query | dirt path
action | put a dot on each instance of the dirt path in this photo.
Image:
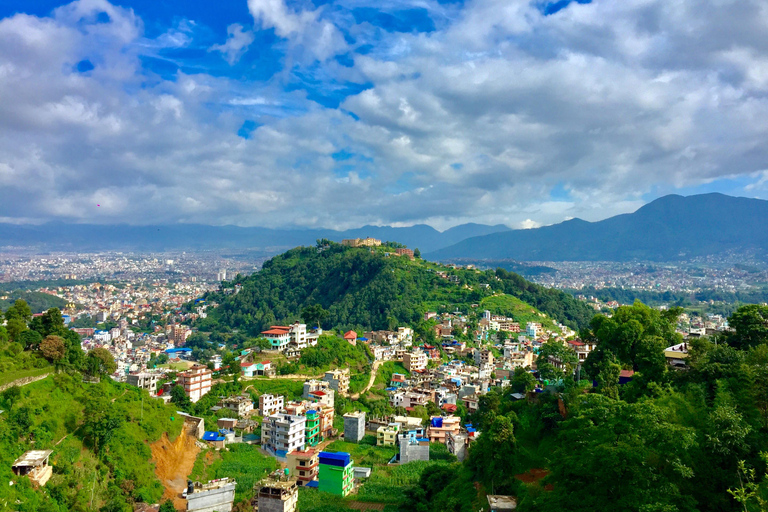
(374, 371)
(173, 464)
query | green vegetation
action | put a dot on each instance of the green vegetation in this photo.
(243, 462)
(669, 440)
(103, 432)
(363, 289)
(37, 301)
(513, 307)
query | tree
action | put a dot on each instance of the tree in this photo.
(53, 348)
(179, 396)
(522, 381)
(167, 506)
(416, 253)
(101, 419)
(750, 326)
(100, 362)
(30, 339)
(50, 322)
(314, 315)
(555, 351)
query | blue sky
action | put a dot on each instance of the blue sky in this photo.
(344, 113)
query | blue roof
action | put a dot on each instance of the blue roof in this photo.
(470, 429)
(212, 436)
(313, 483)
(176, 350)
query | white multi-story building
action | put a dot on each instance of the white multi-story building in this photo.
(240, 405)
(196, 381)
(415, 361)
(533, 329)
(270, 404)
(283, 433)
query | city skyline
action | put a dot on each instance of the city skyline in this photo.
(347, 113)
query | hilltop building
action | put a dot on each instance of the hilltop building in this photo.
(361, 242)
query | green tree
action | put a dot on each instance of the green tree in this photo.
(750, 326)
(416, 253)
(101, 419)
(557, 351)
(522, 381)
(167, 506)
(179, 397)
(491, 456)
(313, 315)
(30, 339)
(100, 362)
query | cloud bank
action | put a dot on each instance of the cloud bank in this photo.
(486, 111)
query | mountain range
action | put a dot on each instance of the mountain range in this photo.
(670, 228)
(90, 237)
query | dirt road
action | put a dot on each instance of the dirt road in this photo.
(374, 370)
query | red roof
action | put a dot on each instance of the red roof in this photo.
(578, 343)
(350, 335)
(318, 393)
(266, 362)
(627, 373)
(246, 365)
(274, 331)
(280, 327)
(449, 407)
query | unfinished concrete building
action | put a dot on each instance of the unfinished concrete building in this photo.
(34, 464)
(278, 495)
(354, 426)
(214, 496)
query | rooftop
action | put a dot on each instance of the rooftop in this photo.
(33, 458)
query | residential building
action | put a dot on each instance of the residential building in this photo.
(414, 445)
(283, 433)
(354, 426)
(409, 399)
(335, 473)
(144, 380)
(215, 495)
(440, 426)
(270, 404)
(312, 428)
(387, 435)
(457, 444)
(240, 405)
(339, 380)
(499, 503)
(34, 464)
(278, 336)
(677, 355)
(248, 369)
(278, 495)
(312, 386)
(483, 357)
(179, 334)
(351, 337)
(196, 381)
(415, 360)
(303, 465)
(533, 330)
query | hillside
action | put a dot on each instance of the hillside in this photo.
(38, 302)
(87, 237)
(367, 290)
(669, 228)
(100, 435)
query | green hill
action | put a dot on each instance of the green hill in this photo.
(369, 289)
(100, 436)
(38, 301)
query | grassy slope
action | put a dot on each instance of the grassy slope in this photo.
(56, 407)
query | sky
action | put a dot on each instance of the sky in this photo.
(338, 114)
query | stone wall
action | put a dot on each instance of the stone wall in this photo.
(24, 381)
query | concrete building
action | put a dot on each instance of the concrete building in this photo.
(278, 495)
(240, 405)
(440, 427)
(415, 361)
(319, 391)
(179, 334)
(499, 503)
(387, 435)
(335, 473)
(413, 446)
(144, 380)
(282, 433)
(361, 242)
(34, 464)
(303, 465)
(270, 404)
(339, 380)
(312, 428)
(483, 357)
(457, 444)
(214, 496)
(354, 426)
(196, 382)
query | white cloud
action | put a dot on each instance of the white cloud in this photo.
(238, 41)
(478, 121)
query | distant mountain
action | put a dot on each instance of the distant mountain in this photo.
(670, 228)
(89, 237)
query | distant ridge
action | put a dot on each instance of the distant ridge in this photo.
(123, 237)
(670, 228)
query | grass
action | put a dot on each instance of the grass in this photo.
(513, 307)
(290, 388)
(366, 455)
(7, 377)
(243, 462)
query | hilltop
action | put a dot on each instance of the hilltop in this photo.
(362, 288)
(670, 228)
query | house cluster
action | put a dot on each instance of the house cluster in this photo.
(291, 339)
(290, 426)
